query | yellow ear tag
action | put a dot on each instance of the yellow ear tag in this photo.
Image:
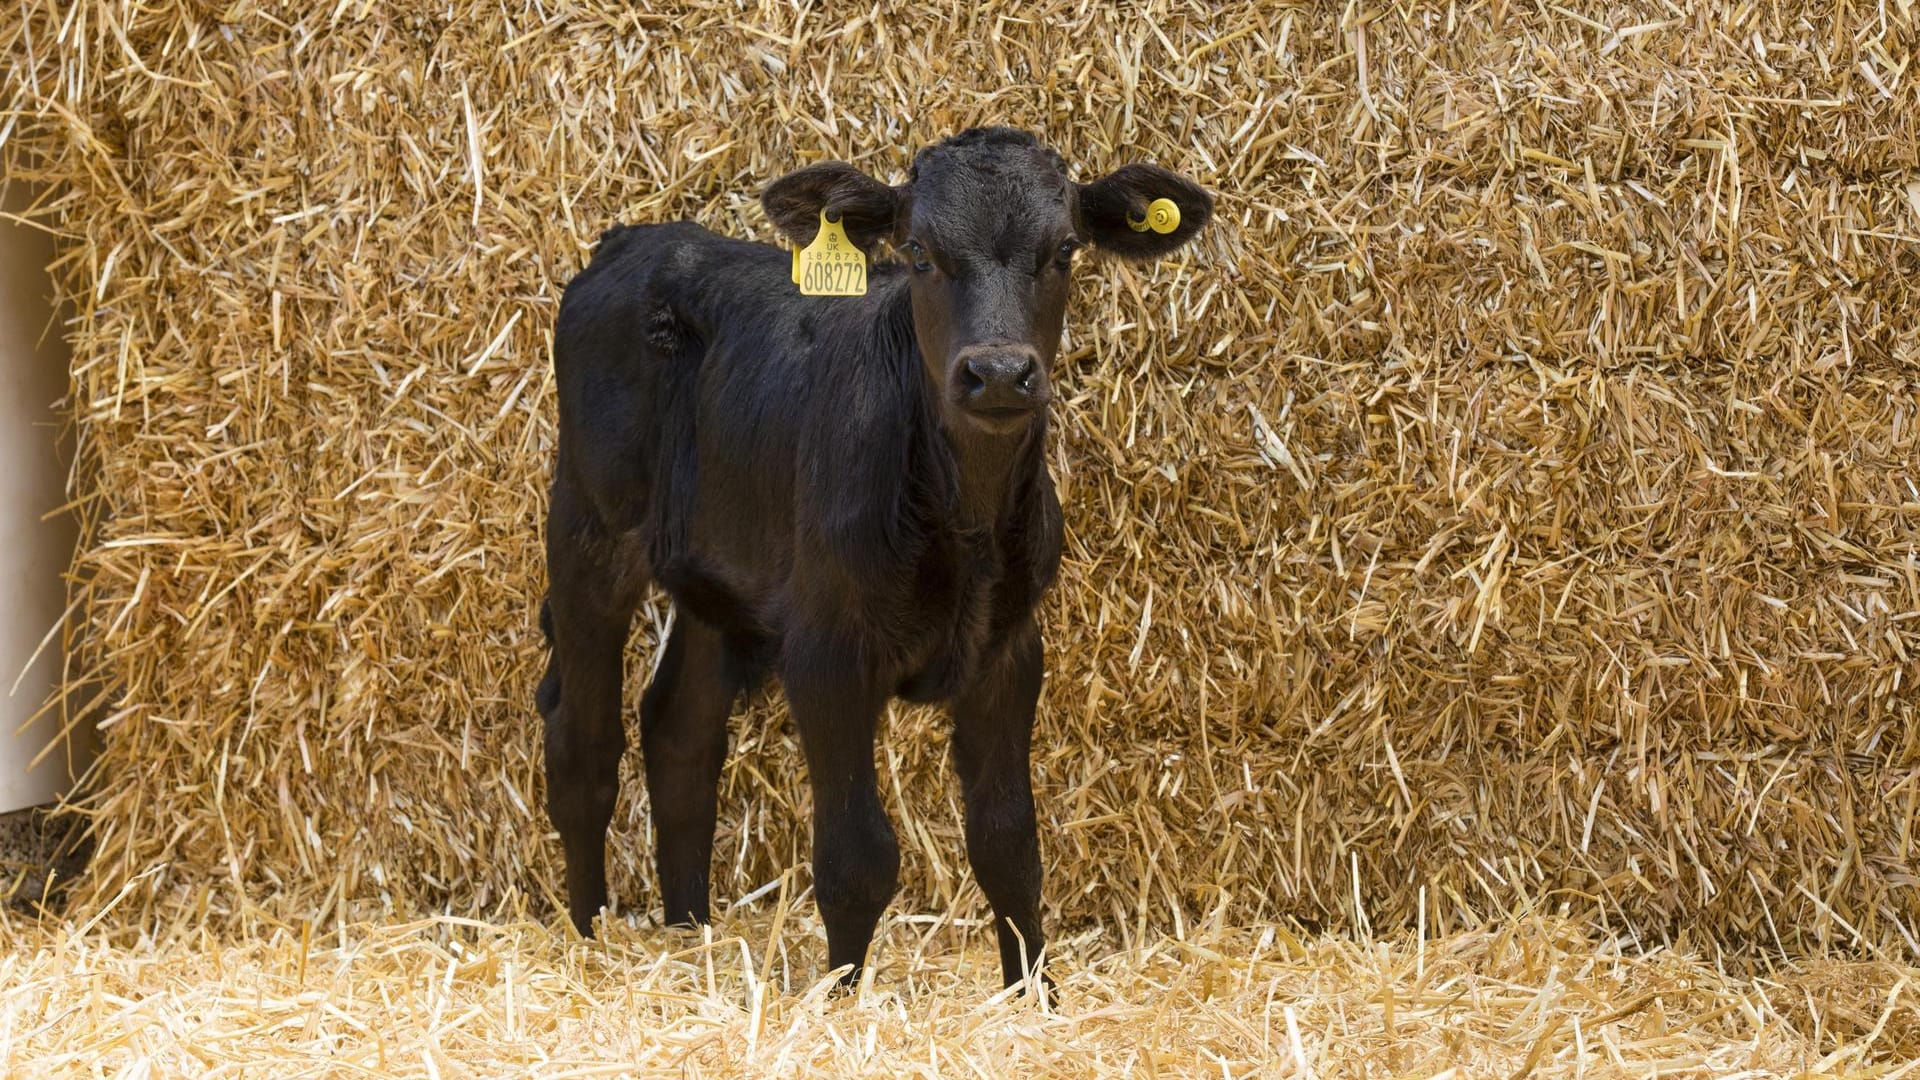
(831, 265)
(1163, 216)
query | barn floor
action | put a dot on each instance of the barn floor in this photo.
(448, 997)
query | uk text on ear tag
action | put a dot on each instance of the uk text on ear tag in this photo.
(831, 265)
(1163, 216)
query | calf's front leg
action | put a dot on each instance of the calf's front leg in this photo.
(856, 860)
(992, 740)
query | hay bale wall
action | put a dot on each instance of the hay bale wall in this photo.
(1514, 501)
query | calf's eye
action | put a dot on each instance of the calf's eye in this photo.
(1065, 256)
(918, 255)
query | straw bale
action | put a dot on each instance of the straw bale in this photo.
(444, 996)
(1512, 506)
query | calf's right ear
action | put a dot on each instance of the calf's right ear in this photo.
(864, 206)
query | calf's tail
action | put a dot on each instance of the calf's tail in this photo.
(615, 238)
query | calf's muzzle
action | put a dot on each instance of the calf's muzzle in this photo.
(1000, 382)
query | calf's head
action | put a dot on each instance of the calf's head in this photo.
(988, 223)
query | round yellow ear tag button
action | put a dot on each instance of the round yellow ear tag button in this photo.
(1163, 216)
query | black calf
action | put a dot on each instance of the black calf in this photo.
(849, 492)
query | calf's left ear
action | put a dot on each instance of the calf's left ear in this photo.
(1117, 211)
(864, 206)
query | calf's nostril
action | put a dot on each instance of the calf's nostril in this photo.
(1025, 379)
(972, 379)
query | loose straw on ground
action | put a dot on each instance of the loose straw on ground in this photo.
(448, 996)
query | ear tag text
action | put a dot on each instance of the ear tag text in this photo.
(831, 265)
(1163, 216)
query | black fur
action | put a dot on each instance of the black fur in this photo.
(804, 477)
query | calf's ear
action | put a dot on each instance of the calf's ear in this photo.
(865, 206)
(1116, 211)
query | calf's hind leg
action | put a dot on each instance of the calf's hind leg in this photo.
(683, 739)
(587, 615)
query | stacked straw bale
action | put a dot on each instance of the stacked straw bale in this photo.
(1514, 504)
